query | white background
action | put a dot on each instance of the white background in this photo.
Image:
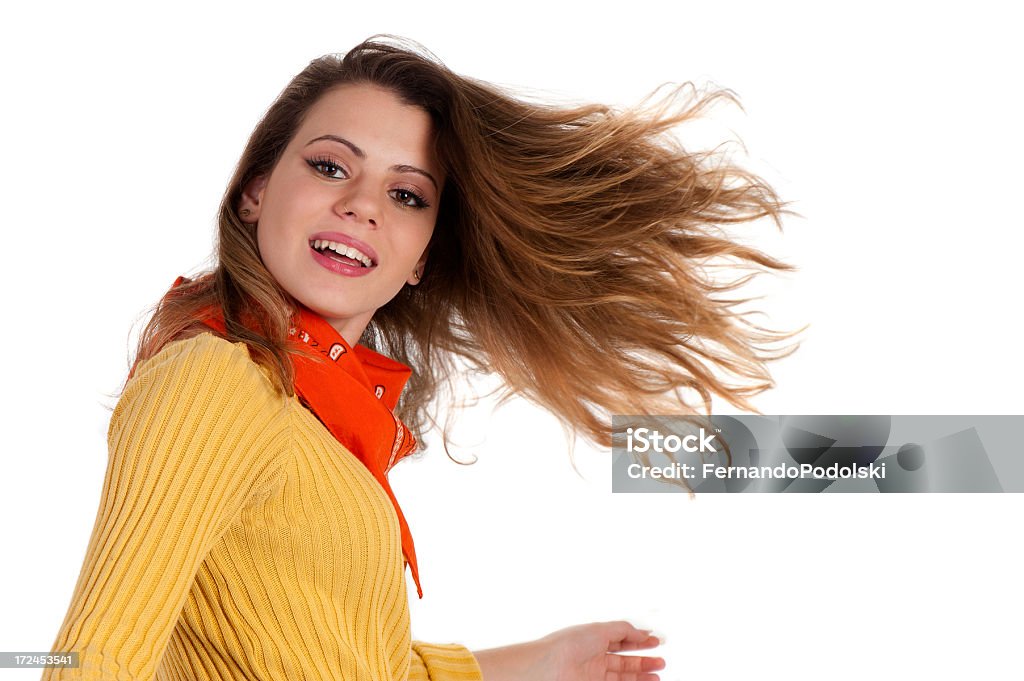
(895, 131)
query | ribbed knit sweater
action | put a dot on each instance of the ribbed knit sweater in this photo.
(236, 538)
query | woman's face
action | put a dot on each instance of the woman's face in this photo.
(345, 216)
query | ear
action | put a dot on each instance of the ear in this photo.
(252, 198)
(421, 264)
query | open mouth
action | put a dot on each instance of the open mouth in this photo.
(342, 253)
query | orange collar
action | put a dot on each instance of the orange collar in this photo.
(353, 393)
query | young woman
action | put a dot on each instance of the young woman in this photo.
(386, 214)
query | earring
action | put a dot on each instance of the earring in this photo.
(416, 273)
(245, 212)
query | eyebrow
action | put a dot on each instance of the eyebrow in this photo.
(403, 168)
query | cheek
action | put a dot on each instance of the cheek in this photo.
(269, 242)
(261, 244)
(409, 239)
(425, 238)
(260, 239)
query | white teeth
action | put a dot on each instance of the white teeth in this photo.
(342, 249)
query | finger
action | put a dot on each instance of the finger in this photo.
(613, 676)
(624, 632)
(651, 641)
(633, 664)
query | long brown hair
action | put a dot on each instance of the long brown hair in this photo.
(571, 254)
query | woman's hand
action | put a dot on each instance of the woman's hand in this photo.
(587, 652)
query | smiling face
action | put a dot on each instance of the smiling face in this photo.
(344, 218)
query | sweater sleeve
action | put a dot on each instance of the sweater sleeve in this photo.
(197, 435)
(443, 662)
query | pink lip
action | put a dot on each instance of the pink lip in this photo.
(340, 267)
(348, 241)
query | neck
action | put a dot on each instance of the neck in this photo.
(351, 328)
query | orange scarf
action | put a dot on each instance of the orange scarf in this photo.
(353, 394)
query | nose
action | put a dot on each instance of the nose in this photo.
(357, 202)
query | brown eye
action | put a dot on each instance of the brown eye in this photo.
(409, 198)
(328, 168)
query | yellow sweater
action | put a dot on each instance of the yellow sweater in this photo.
(237, 539)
